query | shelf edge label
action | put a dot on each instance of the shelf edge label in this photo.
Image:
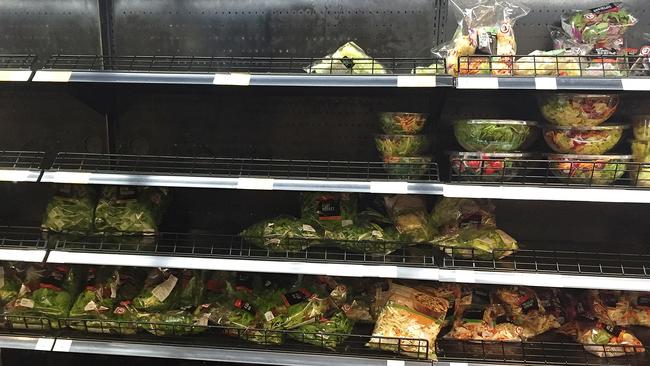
(414, 81)
(15, 75)
(67, 177)
(53, 76)
(233, 78)
(545, 83)
(44, 344)
(264, 184)
(477, 82)
(389, 187)
(62, 345)
(635, 84)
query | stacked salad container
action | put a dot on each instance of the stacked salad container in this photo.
(577, 133)
(641, 150)
(493, 148)
(403, 146)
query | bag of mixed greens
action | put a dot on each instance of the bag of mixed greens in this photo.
(9, 283)
(71, 209)
(329, 210)
(130, 209)
(452, 214)
(601, 27)
(366, 238)
(640, 308)
(328, 330)
(281, 234)
(611, 307)
(47, 291)
(410, 217)
(477, 244)
(412, 315)
(171, 323)
(448, 291)
(485, 27)
(348, 59)
(524, 308)
(607, 340)
(160, 292)
(191, 287)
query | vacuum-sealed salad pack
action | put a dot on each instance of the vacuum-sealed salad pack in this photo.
(485, 32)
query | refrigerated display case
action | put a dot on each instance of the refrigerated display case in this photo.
(236, 107)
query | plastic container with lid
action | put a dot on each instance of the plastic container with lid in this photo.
(489, 166)
(495, 135)
(405, 123)
(407, 167)
(589, 169)
(401, 145)
(640, 173)
(596, 140)
(577, 110)
(641, 127)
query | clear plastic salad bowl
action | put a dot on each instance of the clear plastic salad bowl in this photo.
(596, 140)
(577, 110)
(495, 135)
(589, 169)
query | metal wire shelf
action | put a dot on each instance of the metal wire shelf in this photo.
(596, 66)
(243, 167)
(17, 62)
(21, 237)
(281, 65)
(407, 254)
(21, 160)
(542, 352)
(565, 173)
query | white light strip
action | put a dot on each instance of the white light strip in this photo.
(22, 75)
(548, 193)
(331, 269)
(22, 255)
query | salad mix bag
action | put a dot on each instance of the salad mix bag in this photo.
(410, 217)
(347, 59)
(329, 210)
(485, 28)
(602, 27)
(71, 210)
(130, 209)
(280, 234)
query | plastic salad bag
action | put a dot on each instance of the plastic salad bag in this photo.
(9, 283)
(171, 323)
(485, 27)
(602, 27)
(71, 210)
(329, 210)
(409, 214)
(160, 292)
(347, 59)
(130, 210)
(611, 307)
(281, 234)
(524, 308)
(366, 238)
(412, 314)
(607, 340)
(452, 214)
(641, 308)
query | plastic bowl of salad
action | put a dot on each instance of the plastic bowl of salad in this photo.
(488, 166)
(407, 167)
(495, 135)
(589, 169)
(640, 173)
(577, 110)
(401, 145)
(596, 140)
(641, 127)
(405, 123)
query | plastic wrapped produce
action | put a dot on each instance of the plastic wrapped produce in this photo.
(410, 217)
(589, 169)
(347, 59)
(595, 140)
(607, 341)
(477, 244)
(130, 210)
(641, 308)
(451, 214)
(329, 210)
(560, 62)
(485, 27)
(171, 323)
(603, 26)
(71, 210)
(160, 293)
(10, 283)
(525, 308)
(495, 135)
(365, 238)
(406, 123)
(413, 314)
(611, 307)
(576, 110)
(281, 234)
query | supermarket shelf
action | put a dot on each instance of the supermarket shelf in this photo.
(526, 267)
(262, 357)
(553, 83)
(16, 67)
(20, 166)
(237, 71)
(27, 342)
(23, 244)
(236, 173)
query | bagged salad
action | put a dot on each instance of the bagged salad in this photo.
(641, 308)
(281, 234)
(347, 59)
(71, 210)
(611, 307)
(131, 210)
(47, 291)
(607, 340)
(366, 238)
(414, 317)
(601, 27)
(171, 323)
(103, 306)
(166, 289)
(329, 210)
(524, 308)
(409, 214)
(10, 283)
(485, 28)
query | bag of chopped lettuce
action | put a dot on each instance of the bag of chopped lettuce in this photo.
(104, 304)
(281, 234)
(347, 59)
(477, 244)
(328, 330)
(71, 210)
(409, 214)
(329, 210)
(365, 238)
(525, 308)
(9, 283)
(130, 210)
(160, 292)
(451, 214)
(172, 323)
(47, 291)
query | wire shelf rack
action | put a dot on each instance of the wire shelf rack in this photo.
(574, 172)
(281, 65)
(17, 62)
(21, 237)
(595, 66)
(243, 167)
(21, 160)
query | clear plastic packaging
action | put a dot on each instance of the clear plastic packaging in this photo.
(494, 135)
(488, 166)
(407, 167)
(596, 140)
(576, 110)
(405, 123)
(485, 27)
(641, 127)
(347, 59)
(588, 169)
(602, 27)
(401, 145)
